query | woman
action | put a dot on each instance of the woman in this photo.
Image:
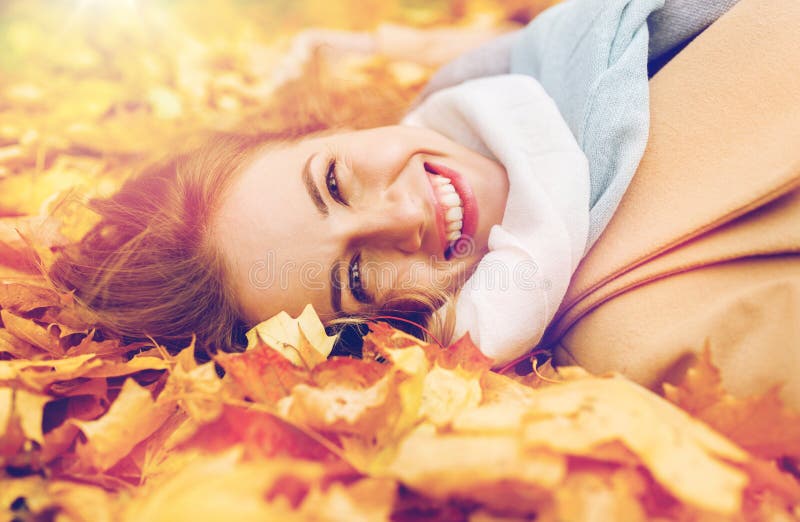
(206, 241)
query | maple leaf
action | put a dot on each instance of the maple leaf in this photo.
(303, 340)
(461, 353)
(496, 469)
(761, 425)
(431, 430)
(113, 436)
(263, 374)
(261, 434)
(357, 372)
(32, 333)
(688, 459)
(26, 297)
(382, 338)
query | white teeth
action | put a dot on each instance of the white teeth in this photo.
(454, 213)
(446, 189)
(450, 199)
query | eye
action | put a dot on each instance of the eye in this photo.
(332, 182)
(354, 275)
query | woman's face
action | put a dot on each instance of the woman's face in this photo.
(341, 220)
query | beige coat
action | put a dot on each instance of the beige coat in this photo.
(705, 246)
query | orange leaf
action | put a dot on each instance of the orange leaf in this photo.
(462, 353)
(263, 374)
(355, 372)
(262, 434)
(24, 298)
(382, 338)
(761, 425)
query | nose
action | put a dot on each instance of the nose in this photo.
(396, 221)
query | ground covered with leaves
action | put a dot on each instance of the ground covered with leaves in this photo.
(96, 429)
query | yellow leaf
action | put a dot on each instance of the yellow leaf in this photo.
(30, 408)
(6, 408)
(342, 408)
(461, 465)
(81, 502)
(446, 393)
(685, 457)
(110, 368)
(220, 487)
(38, 375)
(199, 390)
(133, 416)
(31, 332)
(302, 340)
(598, 496)
(368, 500)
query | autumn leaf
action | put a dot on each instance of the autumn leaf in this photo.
(263, 374)
(461, 353)
(98, 428)
(111, 437)
(261, 435)
(686, 457)
(763, 425)
(303, 340)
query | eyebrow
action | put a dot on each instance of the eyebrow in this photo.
(322, 207)
(312, 189)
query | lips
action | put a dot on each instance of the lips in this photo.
(468, 204)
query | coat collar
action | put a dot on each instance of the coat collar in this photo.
(723, 140)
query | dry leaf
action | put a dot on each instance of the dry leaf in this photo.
(111, 437)
(762, 425)
(414, 431)
(303, 340)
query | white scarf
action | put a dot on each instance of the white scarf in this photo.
(517, 287)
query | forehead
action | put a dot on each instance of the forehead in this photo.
(272, 237)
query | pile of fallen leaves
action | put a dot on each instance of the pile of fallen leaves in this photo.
(96, 429)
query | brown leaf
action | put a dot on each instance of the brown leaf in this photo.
(11, 435)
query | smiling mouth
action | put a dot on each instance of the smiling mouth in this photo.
(450, 201)
(457, 208)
